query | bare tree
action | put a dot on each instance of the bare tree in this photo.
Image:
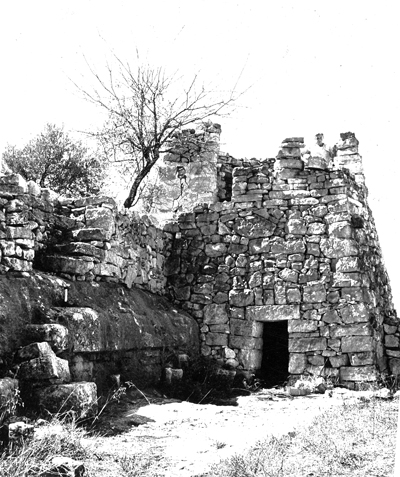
(146, 110)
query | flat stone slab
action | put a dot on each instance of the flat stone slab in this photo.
(273, 312)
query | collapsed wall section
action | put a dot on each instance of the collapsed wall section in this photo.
(297, 243)
(83, 239)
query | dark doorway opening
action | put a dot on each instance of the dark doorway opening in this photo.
(275, 361)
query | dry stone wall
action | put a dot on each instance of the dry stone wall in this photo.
(285, 239)
(80, 239)
(297, 242)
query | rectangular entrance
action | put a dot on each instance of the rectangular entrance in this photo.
(275, 360)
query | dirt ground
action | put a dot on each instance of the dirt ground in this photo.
(185, 439)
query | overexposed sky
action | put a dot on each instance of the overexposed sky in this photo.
(312, 66)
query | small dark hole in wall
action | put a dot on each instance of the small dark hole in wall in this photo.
(275, 361)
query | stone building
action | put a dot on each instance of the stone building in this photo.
(277, 260)
(284, 272)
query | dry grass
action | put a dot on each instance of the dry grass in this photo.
(351, 440)
(348, 440)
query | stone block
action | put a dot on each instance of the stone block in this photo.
(293, 295)
(273, 312)
(106, 270)
(340, 230)
(217, 339)
(250, 358)
(215, 249)
(358, 373)
(331, 316)
(78, 397)
(47, 367)
(391, 341)
(316, 360)
(314, 293)
(348, 264)
(215, 314)
(69, 265)
(357, 344)
(17, 264)
(357, 313)
(296, 226)
(34, 350)
(361, 359)
(335, 247)
(83, 325)
(260, 245)
(245, 342)
(246, 328)
(361, 329)
(304, 345)
(81, 248)
(339, 360)
(297, 363)
(55, 334)
(100, 217)
(302, 326)
(340, 280)
(90, 233)
(241, 297)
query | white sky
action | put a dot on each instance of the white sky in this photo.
(313, 66)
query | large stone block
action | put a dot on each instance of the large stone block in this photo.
(348, 264)
(78, 397)
(83, 325)
(250, 358)
(215, 314)
(314, 293)
(303, 345)
(47, 367)
(334, 247)
(241, 297)
(90, 233)
(297, 363)
(302, 326)
(217, 339)
(358, 373)
(273, 312)
(357, 344)
(70, 265)
(100, 217)
(361, 359)
(339, 361)
(361, 329)
(356, 313)
(246, 328)
(245, 342)
(54, 334)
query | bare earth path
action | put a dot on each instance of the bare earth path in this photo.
(185, 439)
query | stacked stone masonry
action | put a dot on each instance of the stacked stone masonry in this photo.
(80, 239)
(290, 238)
(297, 242)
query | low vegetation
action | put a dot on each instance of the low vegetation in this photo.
(350, 440)
(353, 439)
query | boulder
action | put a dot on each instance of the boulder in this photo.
(80, 398)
